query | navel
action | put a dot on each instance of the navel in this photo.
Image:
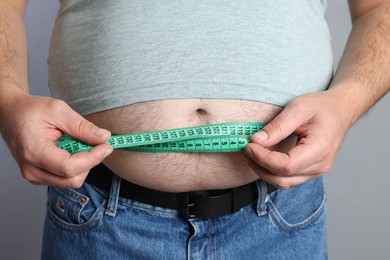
(201, 112)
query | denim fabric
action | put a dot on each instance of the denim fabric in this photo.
(88, 223)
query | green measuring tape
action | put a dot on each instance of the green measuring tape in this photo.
(225, 137)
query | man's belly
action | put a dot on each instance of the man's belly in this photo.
(178, 172)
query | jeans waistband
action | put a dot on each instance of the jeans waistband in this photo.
(206, 203)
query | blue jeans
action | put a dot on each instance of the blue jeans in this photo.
(88, 223)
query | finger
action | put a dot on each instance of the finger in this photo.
(77, 126)
(320, 167)
(260, 169)
(61, 163)
(42, 177)
(283, 125)
(281, 182)
(295, 161)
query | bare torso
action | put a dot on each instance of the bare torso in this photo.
(177, 172)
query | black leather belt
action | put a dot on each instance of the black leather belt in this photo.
(197, 204)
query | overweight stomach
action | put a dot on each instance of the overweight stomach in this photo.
(183, 171)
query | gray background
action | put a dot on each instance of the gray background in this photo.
(357, 203)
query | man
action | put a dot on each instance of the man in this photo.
(237, 62)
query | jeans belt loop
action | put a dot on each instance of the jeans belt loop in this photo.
(188, 206)
(114, 196)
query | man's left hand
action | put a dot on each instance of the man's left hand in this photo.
(320, 121)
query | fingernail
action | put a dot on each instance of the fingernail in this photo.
(99, 132)
(261, 136)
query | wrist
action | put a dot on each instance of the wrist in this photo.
(350, 99)
(9, 97)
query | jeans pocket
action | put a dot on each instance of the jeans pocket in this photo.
(75, 209)
(298, 207)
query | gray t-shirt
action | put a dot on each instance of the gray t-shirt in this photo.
(106, 54)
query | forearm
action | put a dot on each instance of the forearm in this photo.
(13, 50)
(363, 77)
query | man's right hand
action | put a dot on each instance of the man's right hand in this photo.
(30, 125)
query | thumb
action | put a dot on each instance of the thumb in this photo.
(282, 126)
(76, 126)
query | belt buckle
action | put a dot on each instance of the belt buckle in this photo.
(200, 204)
(207, 204)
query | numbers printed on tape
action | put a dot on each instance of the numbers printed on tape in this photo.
(225, 137)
